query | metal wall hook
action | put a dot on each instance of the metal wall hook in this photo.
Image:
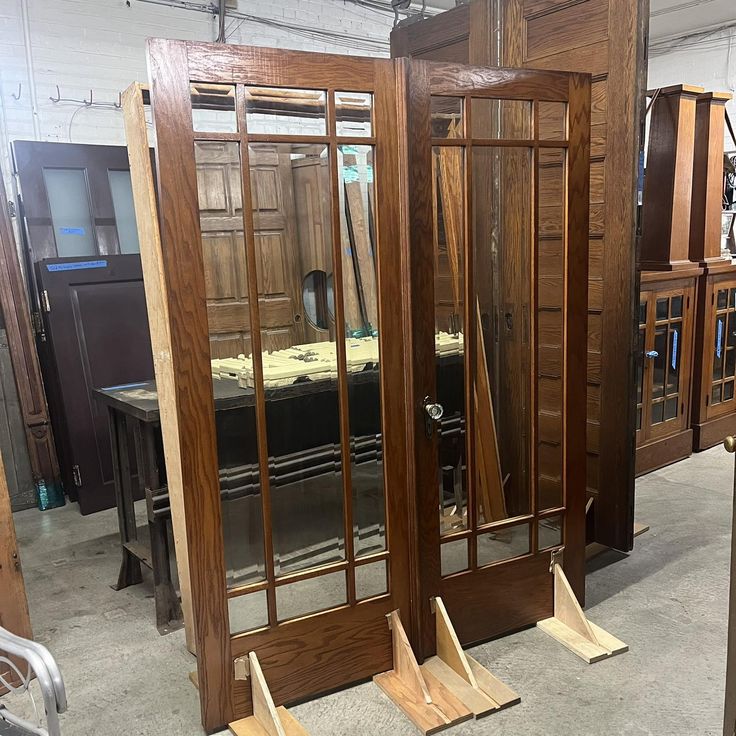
(20, 89)
(117, 105)
(58, 95)
(90, 101)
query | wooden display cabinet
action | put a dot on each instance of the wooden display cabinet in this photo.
(713, 404)
(664, 368)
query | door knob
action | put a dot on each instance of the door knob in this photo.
(432, 414)
(651, 354)
(730, 443)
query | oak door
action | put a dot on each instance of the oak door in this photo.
(278, 193)
(498, 189)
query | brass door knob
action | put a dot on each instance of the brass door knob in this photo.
(730, 443)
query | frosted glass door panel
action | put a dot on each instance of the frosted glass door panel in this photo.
(122, 202)
(70, 213)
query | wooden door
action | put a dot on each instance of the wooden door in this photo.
(96, 335)
(719, 347)
(302, 559)
(667, 362)
(497, 175)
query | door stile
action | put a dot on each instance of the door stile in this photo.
(534, 341)
(257, 350)
(190, 357)
(575, 331)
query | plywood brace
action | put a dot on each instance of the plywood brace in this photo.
(267, 719)
(477, 689)
(426, 700)
(570, 625)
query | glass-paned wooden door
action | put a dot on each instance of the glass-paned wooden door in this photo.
(642, 386)
(278, 175)
(498, 188)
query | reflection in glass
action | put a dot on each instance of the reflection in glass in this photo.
(728, 391)
(122, 203)
(722, 299)
(446, 116)
(663, 307)
(658, 412)
(248, 612)
(660, 361)
(676, 306)
(316, 300)
(716, 394)
(502, 238)
(371, 580)
(70, 216)
(353, 113)
(311, 595)
(213, 108)
(454, 556)
(281, 111)
(360, 306)
(503, 544)
(670, 408)
(552, 120)
(718, 349)
(493, 118)
(549, 531)
(226, 283)
(673, 357)
(449, 201)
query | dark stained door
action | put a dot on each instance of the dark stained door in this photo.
(94, 313)
(76, 205)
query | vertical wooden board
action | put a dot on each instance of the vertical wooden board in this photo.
(146, 212)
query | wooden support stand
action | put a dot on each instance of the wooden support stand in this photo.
(570, 626)
(267, 719)
(449, 688)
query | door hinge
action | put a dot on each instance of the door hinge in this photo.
(11, 208)
(77, 473)
(45, 303)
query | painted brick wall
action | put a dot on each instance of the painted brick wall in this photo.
(709, 63)
(100, 45)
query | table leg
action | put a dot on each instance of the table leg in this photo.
(130, 566)
(169, 616)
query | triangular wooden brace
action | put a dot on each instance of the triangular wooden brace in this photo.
(267, 719)
(571, 627)
(428, 703)
(480, 691)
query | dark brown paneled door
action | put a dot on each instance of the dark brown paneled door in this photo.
(96, 332)
(498, 193)
(278, 188)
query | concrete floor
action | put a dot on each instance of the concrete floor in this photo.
(667, 600)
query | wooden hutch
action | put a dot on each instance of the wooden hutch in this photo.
(669, 282)
(714, 368)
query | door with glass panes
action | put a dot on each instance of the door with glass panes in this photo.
(664, 376)
(498, 189)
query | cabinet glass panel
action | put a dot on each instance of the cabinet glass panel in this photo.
(659, 362)
(70, 212)
(724, 346)
(449, 304)
(663, 308)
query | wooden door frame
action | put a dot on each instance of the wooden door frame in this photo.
(423, 79)
(173, 272)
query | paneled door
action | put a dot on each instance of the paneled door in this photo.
(497, 175)
(280, 250)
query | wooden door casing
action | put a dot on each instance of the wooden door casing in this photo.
(487, 600)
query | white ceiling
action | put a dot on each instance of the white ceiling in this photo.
(671, 18)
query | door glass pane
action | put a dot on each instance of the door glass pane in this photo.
(502, 217)
(493, 118)
(311, 595)
(552, 120)
(278, 111)
(447, 117)
(676, 306)
(640, 367)
(670, 408)
(718, 349)
(122, 202)
(728, 391)
(503, 544)
(730, 362)
(291, 201)
(360, 305)
(673, 357)
(731, 330)
(643, 313)
(722, 299)
(70, 211)
(663, 308)
(549, 532)
(248, 612)
(659, 362)
(226, 285)
(449, 305)
(213, 108)
(371, 580)
(716, 394)
(454, 556)
(550, 328)
(353, 113)
(657, 412)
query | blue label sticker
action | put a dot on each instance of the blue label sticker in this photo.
(675, 335)
(76, 265)
(719, 338)
(71, 230)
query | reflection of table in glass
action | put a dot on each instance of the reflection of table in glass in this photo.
(301, 467)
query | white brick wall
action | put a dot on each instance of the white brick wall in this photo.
(100, 45)
(707, 63)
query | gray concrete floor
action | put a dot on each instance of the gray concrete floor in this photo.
(667, 600)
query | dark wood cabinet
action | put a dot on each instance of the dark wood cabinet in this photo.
(664, 368)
